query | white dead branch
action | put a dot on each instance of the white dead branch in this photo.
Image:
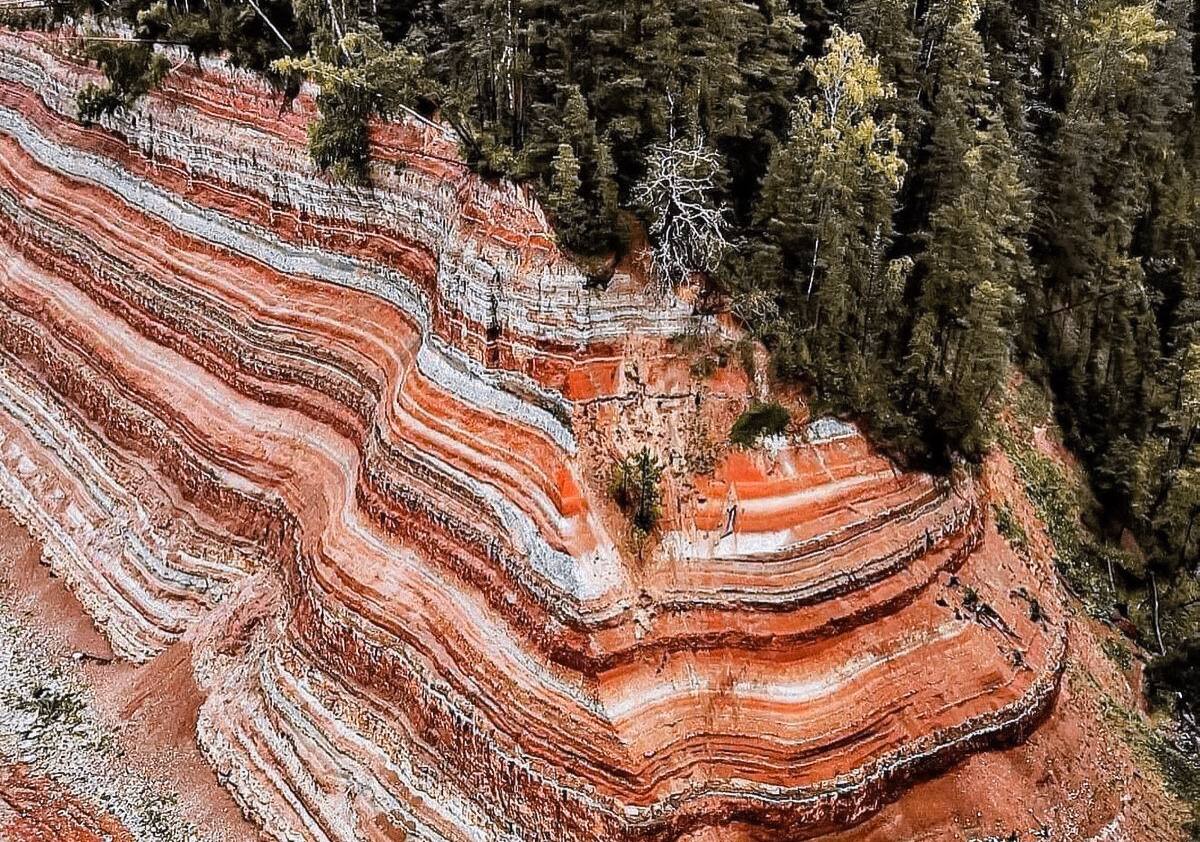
(687, 230)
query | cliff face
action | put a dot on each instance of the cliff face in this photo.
(351, 445)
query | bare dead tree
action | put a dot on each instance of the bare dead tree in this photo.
(687, 228)
(267, 20)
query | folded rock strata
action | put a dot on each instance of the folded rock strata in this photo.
(351, 442)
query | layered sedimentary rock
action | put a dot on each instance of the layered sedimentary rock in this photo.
(352, 443)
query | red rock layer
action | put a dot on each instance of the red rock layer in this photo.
(413, 608)
(36, 809)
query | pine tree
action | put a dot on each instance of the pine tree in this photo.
(977, 253)
(886, 30)
(360, 77)
(1103, 335)
(565, 200)
(487, 60)
(608, 192)
(827, 205)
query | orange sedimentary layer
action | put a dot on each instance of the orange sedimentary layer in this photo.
(461, 648)
(42, 811)
(378, 236)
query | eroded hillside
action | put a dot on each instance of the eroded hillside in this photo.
(337, 459)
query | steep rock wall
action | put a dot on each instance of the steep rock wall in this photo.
(352, 443)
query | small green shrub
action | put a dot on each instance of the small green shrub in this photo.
(635, 485)
(762, 419)
(1009, 527)
(95, 101)
(53, 706)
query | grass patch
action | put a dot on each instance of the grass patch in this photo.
(1118, 653)
(52, 706)
(1010, 528)
(1080, 557)
(1180, 769)
(1171, 753)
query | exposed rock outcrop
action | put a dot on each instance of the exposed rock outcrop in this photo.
(352, 444)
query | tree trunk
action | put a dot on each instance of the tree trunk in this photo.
(1162, 650)
(267, 20)
(812, 275)
(1187, 535)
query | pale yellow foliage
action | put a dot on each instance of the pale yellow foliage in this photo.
(1189, 398)
(1115, 48)
(841, 118)
(848, 77)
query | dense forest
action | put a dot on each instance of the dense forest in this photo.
(904, 199)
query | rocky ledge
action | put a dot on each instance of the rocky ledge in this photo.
(352, 444)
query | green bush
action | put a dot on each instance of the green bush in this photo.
(337, 139)
(95, 101)
(1009, 527)
(635, 486)
(132, 70)
(761, 419)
